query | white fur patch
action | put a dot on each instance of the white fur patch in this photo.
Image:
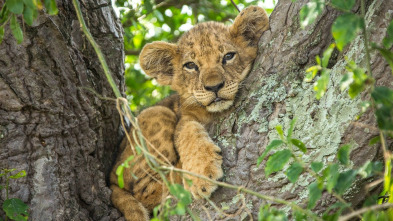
(219, 106)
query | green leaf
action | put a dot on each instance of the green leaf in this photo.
(314, 194)
(338, 208)
(16, 30)
(344, 5)
(299, 144)
(15, 209)
(51, 6)
(383, 98)
(356, 88)
(388, 40)
(120, 178)
(20, 174)
(15, 6)
(1, 34)
(4, 14)
(159, 16)
(277, 161)
(321, 85)
(120, 171)
(294, 172)
(374, 140)
(370, 169)
(388, 55)
(280, 132)
(318, 60)
(291, 127)
(180, 209)
(383, 95)
(181, 194)
(267, 213)
(343, 154)
(148, 6)
(126, 163)
(345, 29)
(29, 14)
(310, 12)
(345, 181)
(316, 166)
(356, 79)
(273, 144)
(327, 54)
(364, 106)
(312, 72)
(331, 174)
(299, 216)
(30, 3)
(346, 81)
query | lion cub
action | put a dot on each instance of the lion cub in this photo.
(205, 68)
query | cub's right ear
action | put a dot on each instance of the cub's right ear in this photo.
(250, 24)
(157, 59)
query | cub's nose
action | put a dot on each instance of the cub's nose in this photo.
(215, 88)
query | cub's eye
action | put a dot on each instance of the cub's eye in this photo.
(228, 57)
(191, 65)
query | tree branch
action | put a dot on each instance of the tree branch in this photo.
(364, 210)
(132, 52)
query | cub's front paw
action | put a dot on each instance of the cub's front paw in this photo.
(208, 165)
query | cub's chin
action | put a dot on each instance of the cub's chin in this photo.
(219, 106)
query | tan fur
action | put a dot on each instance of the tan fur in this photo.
(176, 126)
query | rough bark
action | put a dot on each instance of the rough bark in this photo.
(63, 135)
(275, 93)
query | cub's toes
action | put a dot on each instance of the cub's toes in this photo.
(204, 189)
(214, 171)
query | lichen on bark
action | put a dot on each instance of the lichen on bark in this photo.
(275, 93)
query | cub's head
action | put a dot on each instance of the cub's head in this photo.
(209, 62)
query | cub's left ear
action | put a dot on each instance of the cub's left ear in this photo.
(158, 59)
(250, 24)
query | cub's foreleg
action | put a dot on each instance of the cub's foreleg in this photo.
(198, 154)
(144, 189)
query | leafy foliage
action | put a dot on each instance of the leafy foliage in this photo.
(343, 154)
(277, 161)
(267, 213)
(294, 172)
(26, 9)
(383, 98)
(183, 199)
(272, 145)
(355, 79)
(120, 170)
(14, 208)
(315, 193)
(310, 12)
(344, 5)
(345, 29)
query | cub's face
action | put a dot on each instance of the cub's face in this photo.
(210, 61)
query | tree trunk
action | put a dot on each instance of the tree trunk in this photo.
(51, 125)
(275, 93)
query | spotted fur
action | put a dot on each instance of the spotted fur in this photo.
(205, 68)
